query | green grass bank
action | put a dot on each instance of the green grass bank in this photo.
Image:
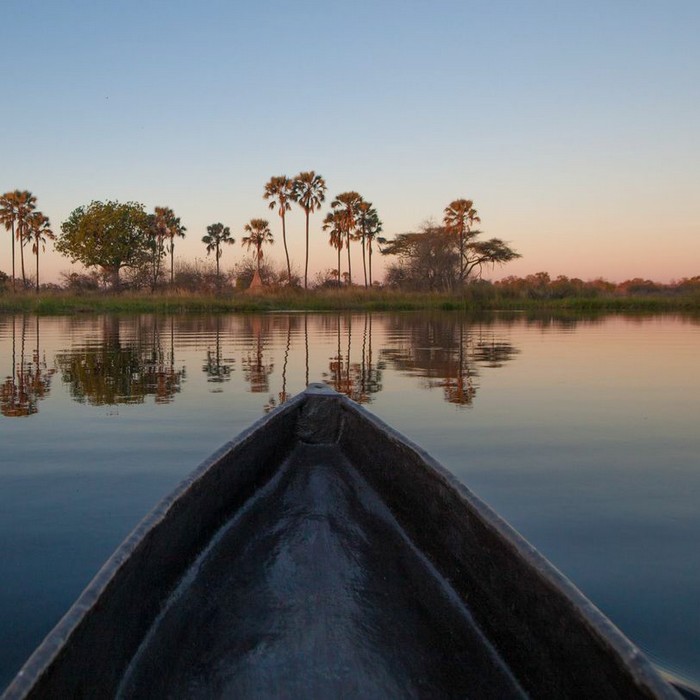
(59, 303)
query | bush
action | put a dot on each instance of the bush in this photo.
(200, 276)
(82, 281)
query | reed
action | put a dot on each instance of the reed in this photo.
(360, 299)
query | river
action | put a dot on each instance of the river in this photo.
(583, 433)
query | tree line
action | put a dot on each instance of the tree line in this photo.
(111, 236)
(542, 286)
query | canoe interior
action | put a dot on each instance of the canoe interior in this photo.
(321, 554)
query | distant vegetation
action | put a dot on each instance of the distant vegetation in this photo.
(197, 289)
(124, 247)
(126, 251)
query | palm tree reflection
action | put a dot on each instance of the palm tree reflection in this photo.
(358, 380)
(29, 381)
(283, 396)
(217, 368)
(256, 369)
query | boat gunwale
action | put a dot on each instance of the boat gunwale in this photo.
(60, 635)
(598, 624)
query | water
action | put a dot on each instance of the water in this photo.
(582, 433)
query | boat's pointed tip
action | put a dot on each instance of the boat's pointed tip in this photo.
(320, 388)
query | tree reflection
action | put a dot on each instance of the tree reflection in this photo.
(29, 381)
(113, 372)
(217, 368)
(448, 353)
(256, 369)
(358, 380)
(283, 396)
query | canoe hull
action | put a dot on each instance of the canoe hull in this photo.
(319, 553)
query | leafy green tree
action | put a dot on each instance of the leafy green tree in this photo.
(459, 218)
(108, 235)
(217, 235)
(39, 231)
(280, 190)
(259, 233)
(309, 191)
(348, 203)
(369, 227)
(334, 223)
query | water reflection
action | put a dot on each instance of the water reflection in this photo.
(256, 367)
(358, 380)
(283, 395)
(112, 371)
(29, 380)
(583, 434)
(446, 351)
(113, 359)
(217, 368)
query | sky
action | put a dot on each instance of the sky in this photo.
(573, 126)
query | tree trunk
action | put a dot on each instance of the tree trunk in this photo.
(156, 269)
(21, 251)
(306, 264)
(349, 264)
(364, 261)
(13, 256)
(172, 257)
(286, 252)
(370, 262)
(37, 267)
(113, 274)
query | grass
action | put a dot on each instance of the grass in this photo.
(359, 299)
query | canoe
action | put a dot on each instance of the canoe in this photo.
(322, 554)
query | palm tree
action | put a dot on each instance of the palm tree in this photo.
(460, 215)
(369, 226)
(281, 190)
(168, 226)
(217, 235)
(309, 191)
(335, 223)
(25, 203)
(8, 217)
(39, 231)
(258, 234)
(349, 203)
(156, 245)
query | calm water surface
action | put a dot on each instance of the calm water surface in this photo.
(583, 434)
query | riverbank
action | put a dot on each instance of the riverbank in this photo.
(55, 303)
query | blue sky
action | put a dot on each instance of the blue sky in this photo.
(574, 126)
